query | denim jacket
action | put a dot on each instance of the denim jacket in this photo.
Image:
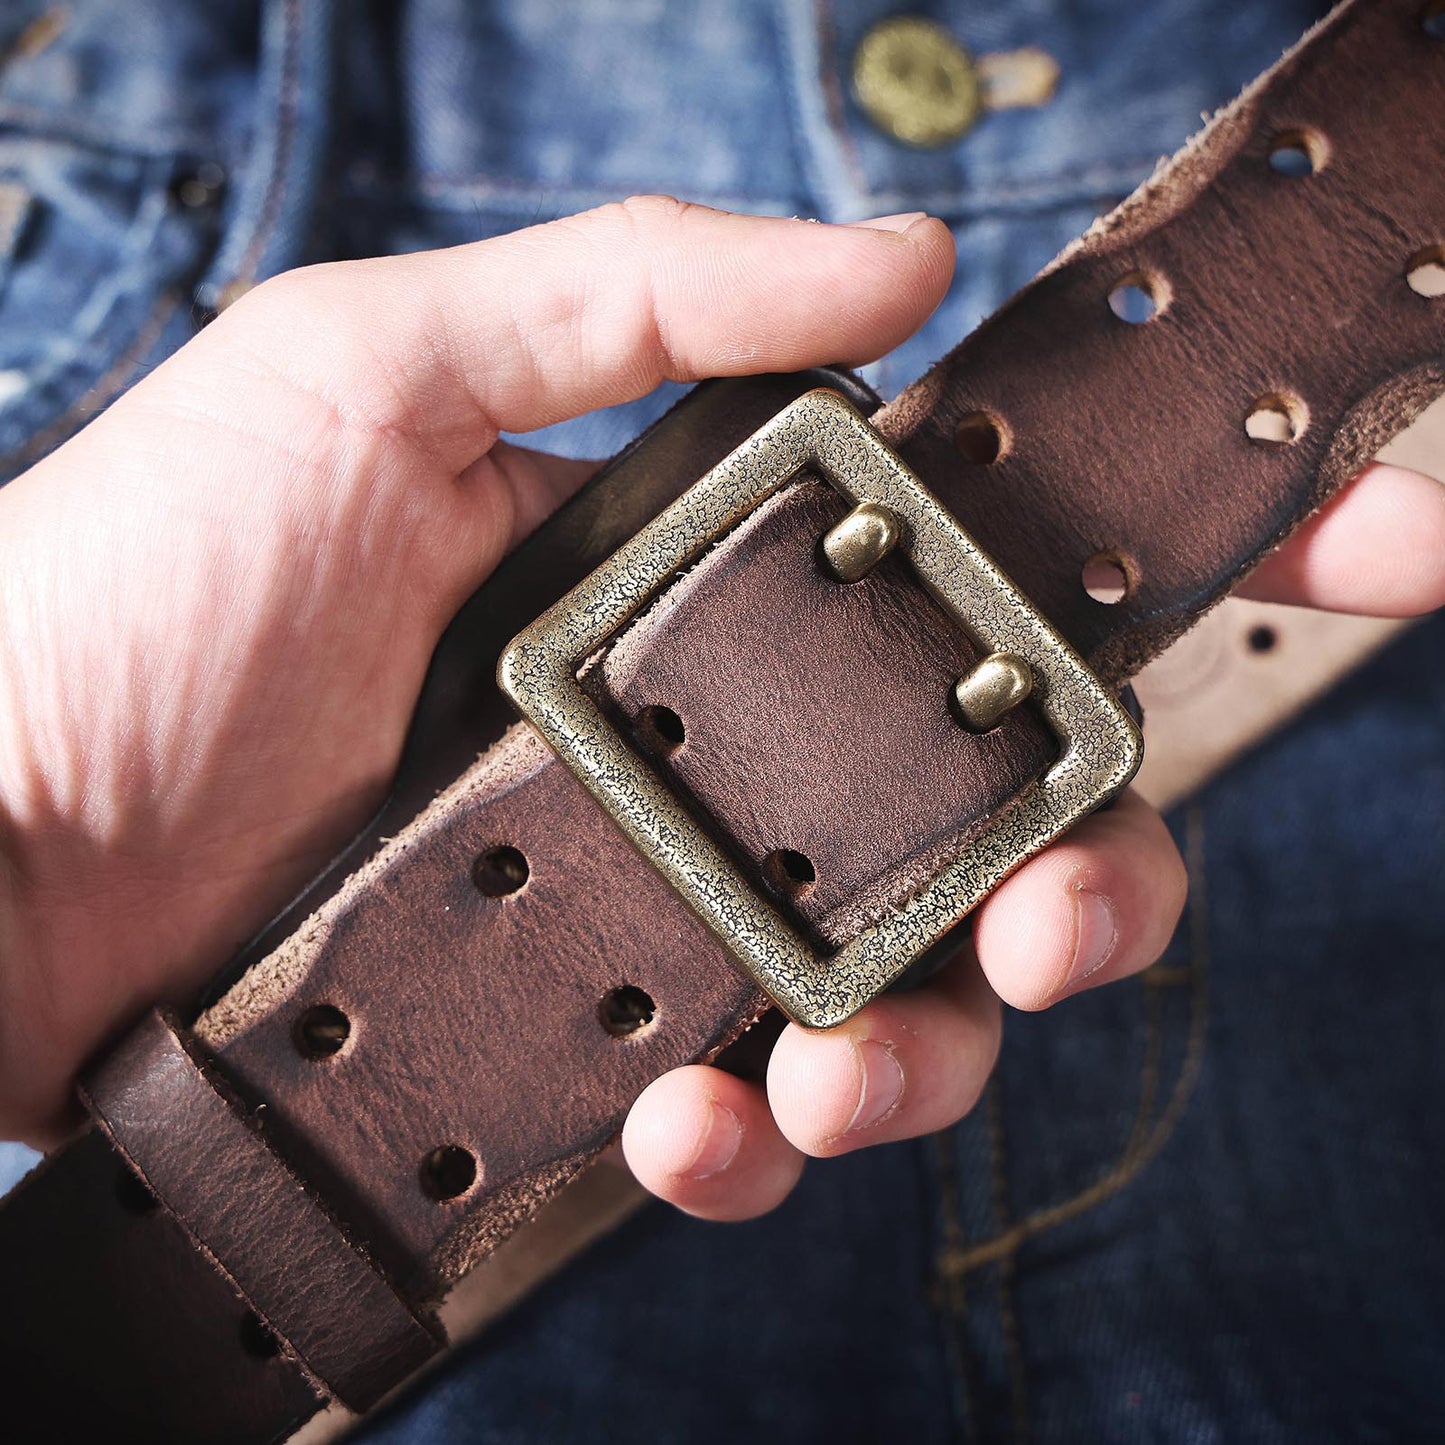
(162, 155)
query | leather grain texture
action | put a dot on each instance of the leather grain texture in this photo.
(477, 1021)
(204, 1155)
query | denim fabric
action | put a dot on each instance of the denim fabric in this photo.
(1204, 1205)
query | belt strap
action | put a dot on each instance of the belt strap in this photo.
(204, 1154)
(463, 1022)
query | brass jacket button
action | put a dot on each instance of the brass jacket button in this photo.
(916, 82)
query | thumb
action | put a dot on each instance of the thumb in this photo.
(369, 380)
(218, 600)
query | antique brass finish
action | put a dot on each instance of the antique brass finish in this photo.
(917, 83)
(1100, 748)
(860, 541)
(997, 684)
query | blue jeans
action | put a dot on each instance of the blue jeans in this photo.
(1207, 1204)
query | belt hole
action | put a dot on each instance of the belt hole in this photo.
(448, 1172)
(790, 873)
(321, 1032)
(1426, 269)
(256, 1339)
(131, 1191)
(663, 728)
(1432, 22)
(626, 1011)
(1295, 154)
(1138, 297)
(981, 438)
(1276, 420)
(1108, 577)
(501, 871)
(1262, 638)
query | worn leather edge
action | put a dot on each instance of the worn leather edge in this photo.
(205, 1157)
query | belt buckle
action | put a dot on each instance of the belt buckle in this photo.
(1100, 746)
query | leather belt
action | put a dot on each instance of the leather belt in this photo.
(454, 1020)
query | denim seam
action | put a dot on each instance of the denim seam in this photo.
(128, 355)
(115, 379)
(1129, 1166)
(281, 156)
(835, 102)
(952, 1286)
(444, 191)
(101, 392)
(797, 123)
(1007, 1265)
(1049, 193)
(92, 322)
(1149, 1071)
(42, 125)
(829, 170)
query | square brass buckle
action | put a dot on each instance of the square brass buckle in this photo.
(1100, 747)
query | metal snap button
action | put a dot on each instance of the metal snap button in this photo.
(916, 82)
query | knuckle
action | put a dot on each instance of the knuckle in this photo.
(639, 223)
(304, 330)
(288, 300)
(652, 211)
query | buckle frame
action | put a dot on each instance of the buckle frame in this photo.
(1101, 748)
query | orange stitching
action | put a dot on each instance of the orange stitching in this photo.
(1162, 975)
(1008, 1316)
(1149, 1071)
(100, 393)
(955, 1294)
(285, 139)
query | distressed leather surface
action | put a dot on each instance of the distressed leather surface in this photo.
(475, 1019)
(154, 1097)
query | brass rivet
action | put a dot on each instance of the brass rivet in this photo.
(999, 683)
(917, 83)
(860, 541)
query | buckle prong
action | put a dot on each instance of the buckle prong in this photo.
(991, 689)
(1100, 747)
(857, 544)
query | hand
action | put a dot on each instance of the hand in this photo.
(218, 601)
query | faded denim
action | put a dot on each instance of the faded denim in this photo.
(1205, 1205)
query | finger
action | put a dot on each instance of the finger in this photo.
(1378, 549)
(705, 1141)
(523, 330)
(905, 1065)
(1095, 907)
(536, 482)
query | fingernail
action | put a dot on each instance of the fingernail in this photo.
(904, 221)
(881, 1087)
(1096, 931)
(721, 1140)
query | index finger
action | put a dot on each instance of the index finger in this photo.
(515, 333)
(1378, 549)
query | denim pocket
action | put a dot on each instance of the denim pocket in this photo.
(104, 250)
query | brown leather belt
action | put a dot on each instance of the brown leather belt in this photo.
(454, 1020)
